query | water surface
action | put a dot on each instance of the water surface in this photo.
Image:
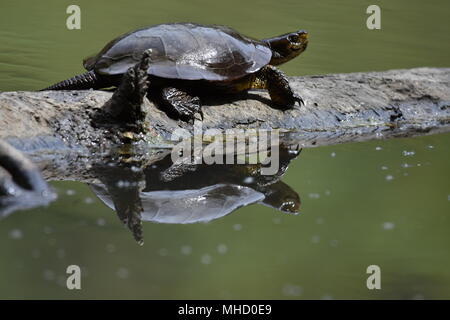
(381, 202)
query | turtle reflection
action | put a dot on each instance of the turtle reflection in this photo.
(164, 192)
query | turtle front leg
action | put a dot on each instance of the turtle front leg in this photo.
(180, 105)
(277, 84)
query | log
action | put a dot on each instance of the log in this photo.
(338, 108)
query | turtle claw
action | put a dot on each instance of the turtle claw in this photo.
(189, 112)
(147, 54)
(299, 99)
(198, 116)
(146, 59)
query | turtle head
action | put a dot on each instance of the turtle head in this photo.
(287, 46)
(282, 197)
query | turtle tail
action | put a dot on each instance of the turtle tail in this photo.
(83, 81)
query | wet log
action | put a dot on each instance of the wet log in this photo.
(338, 108)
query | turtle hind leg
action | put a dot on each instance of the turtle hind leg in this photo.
(126, 102)
(277, 84)
(179, 104)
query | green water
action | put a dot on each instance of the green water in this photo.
(360, 206)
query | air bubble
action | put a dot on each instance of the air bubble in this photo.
(122, 273)
(16, 234)
(292, 290)
(315, 239)
(388, 225)
(222, 248)
(237, 227)
(186, 250)
(206, 259)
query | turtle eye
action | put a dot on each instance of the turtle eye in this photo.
(292, 38)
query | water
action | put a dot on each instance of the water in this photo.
(380, 202)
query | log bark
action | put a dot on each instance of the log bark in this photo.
(338, 108)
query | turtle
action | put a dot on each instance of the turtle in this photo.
(188, 60)
(164, 192)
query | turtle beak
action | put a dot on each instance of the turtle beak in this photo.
(301, 41)
(303, 35)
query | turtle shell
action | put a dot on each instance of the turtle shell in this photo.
(188, 206)
(184, 51)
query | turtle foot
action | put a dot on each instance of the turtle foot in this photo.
(126, 102)
(181, 105)
(134, 85)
